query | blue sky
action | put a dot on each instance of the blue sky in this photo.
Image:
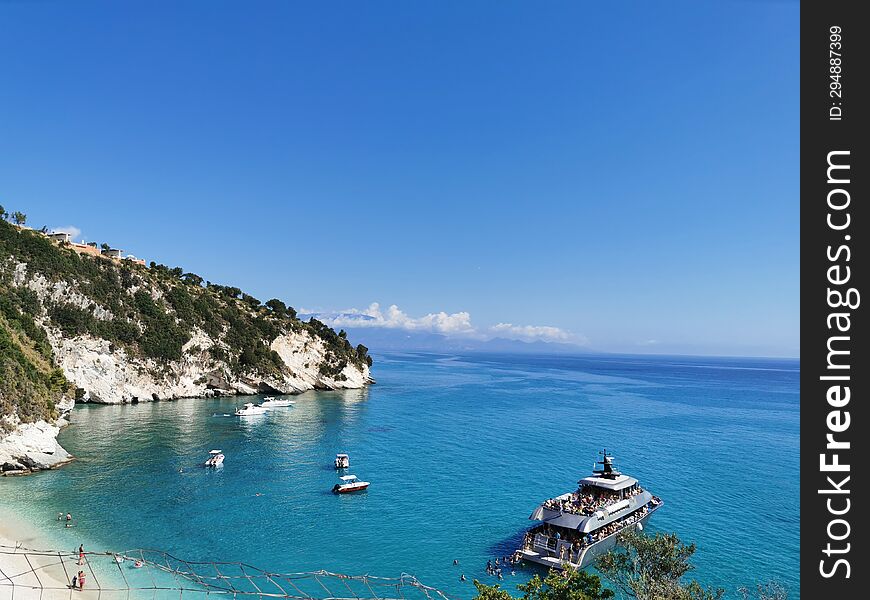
(626, 176)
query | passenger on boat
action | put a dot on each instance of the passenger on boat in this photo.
(580, 540)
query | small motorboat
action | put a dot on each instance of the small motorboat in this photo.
(350, 483)
(250, 409)
(216, 459)
(273, 402)
(342, 461)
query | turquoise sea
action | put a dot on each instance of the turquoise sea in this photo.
(459, 450)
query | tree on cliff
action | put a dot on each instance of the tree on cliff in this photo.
(19, 217)
(192, 279)
(277, 306)
(3, 213)
(363, 353)
(567, 585)
(651, 568)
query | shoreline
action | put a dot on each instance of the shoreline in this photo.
(16, 536)
(36, 565)
(33, 447)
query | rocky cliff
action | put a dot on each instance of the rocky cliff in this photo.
(95, 329)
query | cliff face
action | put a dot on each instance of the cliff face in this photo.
(110, 375)
(96, 329)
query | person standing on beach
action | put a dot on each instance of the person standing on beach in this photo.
(81, 580)
(81, 554)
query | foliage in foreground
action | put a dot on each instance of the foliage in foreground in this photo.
(652, 567)
(765, 591)
(565, 585)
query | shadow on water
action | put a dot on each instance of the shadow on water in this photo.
(507, 546)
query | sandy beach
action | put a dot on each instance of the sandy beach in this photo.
(30, 568)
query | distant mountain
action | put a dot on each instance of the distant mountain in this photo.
(383, 339)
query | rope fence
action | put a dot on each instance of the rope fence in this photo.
(27, 574)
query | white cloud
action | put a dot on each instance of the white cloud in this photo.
(72, 230)
(544, 333)
(456, 324)
(648, 343)
(396, 318)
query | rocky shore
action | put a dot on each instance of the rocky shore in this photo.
(107, 374)
(32, 447)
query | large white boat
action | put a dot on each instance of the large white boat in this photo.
(216, 459)
(578, 526)
(250, 409)
(276, 402)
(350, 483)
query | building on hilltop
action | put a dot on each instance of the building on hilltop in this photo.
(61, 237)
(90, 248)
(83, 248)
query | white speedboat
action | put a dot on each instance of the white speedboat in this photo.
(216, 459)
(342, 461)
(350, 483)
(276, 402)
(250, 409)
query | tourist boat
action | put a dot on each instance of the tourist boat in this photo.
(216, 459)
(581, 525)
(274, 402)
(250, 409)
(351, 483)
(342, 461)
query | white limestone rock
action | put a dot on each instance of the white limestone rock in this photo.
(32, 447)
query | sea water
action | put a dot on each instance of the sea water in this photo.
(459, 451)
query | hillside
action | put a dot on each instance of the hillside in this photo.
(106, 330)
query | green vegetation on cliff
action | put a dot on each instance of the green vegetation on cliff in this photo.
(150, 312)
(30, 385)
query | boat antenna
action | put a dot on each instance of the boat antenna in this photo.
(607, 471)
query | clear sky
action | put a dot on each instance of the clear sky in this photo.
(625, 174)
